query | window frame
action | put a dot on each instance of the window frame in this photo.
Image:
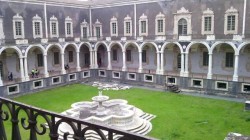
(128, 20)
(229, 62)
(53, 20)
(54, 60)
(144, 56)
(113, 27)
(97, 24)
(207, 14)
(205, 59)
(160, 17)
(71, 56)
(231, 12)
(40, 61)
(37, 19)
(68, 29)
(185, 14)
(143, 19)
(18, 19)
(84, 24)
(114, 55)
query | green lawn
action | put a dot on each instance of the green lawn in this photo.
(179, 117)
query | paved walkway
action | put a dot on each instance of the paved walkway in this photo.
(189, 93)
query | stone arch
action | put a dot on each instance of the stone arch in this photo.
(114, 43)
(39, 46)
(166, 43)
(129, 43)
(242, 45)
(192, 43)
(13, 47)
(220, 42)
(152, 43)
(99, 43)
(87, 44)
(56, 45)
(72, 44)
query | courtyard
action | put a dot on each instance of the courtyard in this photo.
(178, 116)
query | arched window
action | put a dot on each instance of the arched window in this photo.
(182, 27)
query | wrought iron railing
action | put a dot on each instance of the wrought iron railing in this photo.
(10, 111)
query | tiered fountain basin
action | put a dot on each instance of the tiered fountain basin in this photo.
(115, 113)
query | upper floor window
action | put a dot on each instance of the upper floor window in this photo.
(68, 27)
(37, 27)
(127, 26)
(54, 32)
(113, 27)
(84, 29)
(98, 29)
(160, 24)
(231, 21)
(207, 22)
(18, 26)
(229, 59)
(182, 27)
(182, 22)
(143, 25)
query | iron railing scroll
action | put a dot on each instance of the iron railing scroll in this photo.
(10, 111)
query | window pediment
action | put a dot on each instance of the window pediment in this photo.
(17, 17)
(36, 17)
(53, 18)
(127, 18)
(143, 17)
(113, 19)
(183, 11)
(231, 10)
(68, 19)
(208, 12)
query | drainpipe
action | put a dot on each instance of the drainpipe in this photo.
(244, 19)
(45, 20)
(90, 21)
(135, 21)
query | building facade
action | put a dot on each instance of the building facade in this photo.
(196, 44)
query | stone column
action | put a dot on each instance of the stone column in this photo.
(46, 74)
(91, 59)
(210, 63)
(95, 59)
(158, 69)
(27, 78)
(63, 71)
(236, 64)
(124, 67)
(78, 68)
(21, 69)
(162, 63)
(109, 61)
(186, 65)
(140, 62)
(182, 64)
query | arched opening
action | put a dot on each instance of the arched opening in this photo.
(102, 56)
(10, 63)
(182, 27)
(149, 58)
(54, 57)
(244, 64)
(223, 62)
(116, 57)
(198, 60)
(35, 62)
(172, 59)
(70, 58)
(84, 57)
(132, 59)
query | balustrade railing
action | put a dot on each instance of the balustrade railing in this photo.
(10, 111)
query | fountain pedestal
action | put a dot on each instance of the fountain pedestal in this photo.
(100, 109)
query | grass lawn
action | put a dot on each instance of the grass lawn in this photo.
(179, 117)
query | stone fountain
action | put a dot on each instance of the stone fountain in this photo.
(115, 113)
